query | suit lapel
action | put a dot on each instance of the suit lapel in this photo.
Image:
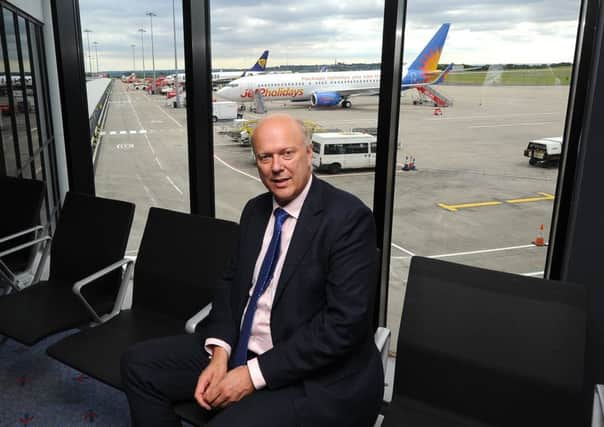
(307, 224)
(253, 242)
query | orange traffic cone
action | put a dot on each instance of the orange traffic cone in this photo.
(539, 240)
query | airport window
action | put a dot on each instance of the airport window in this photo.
(357, 39)
(27, 146)
(467, 189)
(136, 94)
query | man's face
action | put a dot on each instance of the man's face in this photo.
(283, 159)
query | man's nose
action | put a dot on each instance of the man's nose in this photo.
(276, 164)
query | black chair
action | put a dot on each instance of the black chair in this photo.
(486, 348)
(20, 230)
(91, 234)
(179, 263)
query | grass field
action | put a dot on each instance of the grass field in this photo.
(533, 76)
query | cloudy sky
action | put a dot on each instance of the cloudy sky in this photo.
(324, 31)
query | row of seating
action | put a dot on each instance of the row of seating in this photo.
(475, 347)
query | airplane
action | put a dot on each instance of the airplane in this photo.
(219, 77)
(335, 88)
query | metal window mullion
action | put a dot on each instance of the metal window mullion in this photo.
(387, 136)
(9, 86)
(52, 154)
(200, 131)
(24, 91)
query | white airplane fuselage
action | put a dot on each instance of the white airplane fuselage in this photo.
(301, 86)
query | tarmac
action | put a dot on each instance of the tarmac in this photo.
(473, 198)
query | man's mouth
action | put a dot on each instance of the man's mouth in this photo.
(280, 182)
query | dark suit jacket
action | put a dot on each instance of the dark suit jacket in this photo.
(321, 315)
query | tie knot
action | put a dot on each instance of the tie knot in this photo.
(280, 216)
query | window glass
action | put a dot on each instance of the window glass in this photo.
(137, 105)
(469, 187)
(307, 74)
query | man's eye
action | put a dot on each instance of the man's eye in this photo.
(288, 154)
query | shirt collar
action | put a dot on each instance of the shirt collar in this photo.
(294, 207)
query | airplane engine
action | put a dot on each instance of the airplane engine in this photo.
(325, 99)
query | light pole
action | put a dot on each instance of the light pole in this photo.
(142, 30)
(133, 63)
(87, 31)
(176, 87)
(96, 54)
(151, 15)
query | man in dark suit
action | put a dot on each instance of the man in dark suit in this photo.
(289, 339)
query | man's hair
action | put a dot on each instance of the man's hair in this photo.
(306, 135)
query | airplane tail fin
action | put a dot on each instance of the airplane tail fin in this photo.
(428, 58)
(260, 64)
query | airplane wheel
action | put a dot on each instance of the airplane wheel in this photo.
(346, 104)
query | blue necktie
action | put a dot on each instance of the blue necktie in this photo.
(264, 278)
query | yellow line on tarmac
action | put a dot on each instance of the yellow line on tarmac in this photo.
(544, 196)
(455, 208)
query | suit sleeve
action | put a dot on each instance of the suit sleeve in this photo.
(343, 325)
(221, 324)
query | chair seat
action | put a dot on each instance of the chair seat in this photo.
(192, 413)
(97, 351)
(41, 310)
(406, 412)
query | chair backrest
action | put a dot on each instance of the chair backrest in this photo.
(92, 233)
(498, 347)
(23, 201)
(180, 261)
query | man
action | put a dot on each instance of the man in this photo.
(289, 338)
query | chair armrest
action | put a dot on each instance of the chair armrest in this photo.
(597, 419)
(382, 342)
(21, 233)
(192, 323)
(77, 287)
(24, 245)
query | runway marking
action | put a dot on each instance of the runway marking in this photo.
(482, 251)
(510, 125)
(140, 124)
(122, 132)
(400, 248)
(147, 190)
(455, 208)
(158, 163)
(544, 196)
(174, 185)
(169, 116)
(124, 146)
(236, 170)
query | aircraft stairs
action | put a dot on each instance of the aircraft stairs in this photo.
(434, 96)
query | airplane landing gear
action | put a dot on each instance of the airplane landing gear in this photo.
(346, 104)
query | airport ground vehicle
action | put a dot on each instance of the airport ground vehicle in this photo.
(544, 150)
(333, 151)
(225, 110)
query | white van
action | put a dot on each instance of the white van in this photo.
(544, 150)
(333, 151)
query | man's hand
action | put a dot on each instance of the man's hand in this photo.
(211, 375)
(235, 385)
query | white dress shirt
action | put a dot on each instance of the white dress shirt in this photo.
(261, 339)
